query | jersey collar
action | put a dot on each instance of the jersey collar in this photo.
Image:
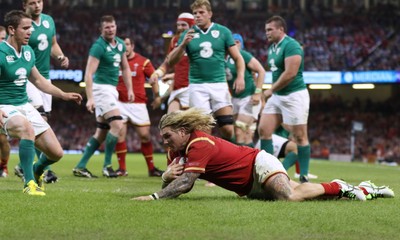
(275, 46)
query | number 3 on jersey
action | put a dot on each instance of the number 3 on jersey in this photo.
(44, 43)
(206, 51)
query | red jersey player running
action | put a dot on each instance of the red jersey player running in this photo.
(136, 113)
(179, 96)
(246, 171)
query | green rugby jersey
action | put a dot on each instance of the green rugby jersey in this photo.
(276, 61)
(41, 41)
(110, 58)
(231, 74)
(14, 72)
(207, 52)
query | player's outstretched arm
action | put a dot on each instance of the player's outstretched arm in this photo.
(181, 185)
(45, 86)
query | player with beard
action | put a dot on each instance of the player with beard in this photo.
(136, 112)
(179, 95)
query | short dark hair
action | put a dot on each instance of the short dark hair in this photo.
(107, 18)
(279, 21)
(13, 18)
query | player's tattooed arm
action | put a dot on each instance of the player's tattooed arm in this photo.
(182, 184)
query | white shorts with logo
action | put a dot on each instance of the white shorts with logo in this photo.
(182, 95)
(38, 98)
(294, 107)
(277, 143)
(265, 166)
(209, 96)
(245, 106)
(105, 98)
(134, 113)
(29, 112)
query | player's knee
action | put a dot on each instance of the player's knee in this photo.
(279, 186)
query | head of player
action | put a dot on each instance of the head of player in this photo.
(3, 33)
(18, 25)
(202, 13)
(238, 40)
(130, 46)
(275, 29)
(108, 28)
(184, 22)
(176, 127)
(33, 7)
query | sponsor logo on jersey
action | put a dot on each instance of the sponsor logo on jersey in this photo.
(27, 56)
(10, 58)
(32, 29)
(278, 50)
(196, 35)
(215, 33)
(46, 24)
(108, 49)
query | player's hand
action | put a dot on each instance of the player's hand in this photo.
(267, 94)
(174, 170)
(76, 97)
(238, 85)
(142, 198)
(189, 36)
(131, 96)
(156, 103)
(90, 105)
(2, 115)
(167, 77)
(153, 78)
(64, 61)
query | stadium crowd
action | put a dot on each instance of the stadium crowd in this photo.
(334, 39)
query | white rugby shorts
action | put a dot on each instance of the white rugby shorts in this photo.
(294, 107)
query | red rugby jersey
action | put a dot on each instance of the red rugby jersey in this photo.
(181, 69)
(228, 165)
(141, 68)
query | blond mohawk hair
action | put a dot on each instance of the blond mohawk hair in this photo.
(191, 120)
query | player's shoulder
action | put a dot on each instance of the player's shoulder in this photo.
(292, 42)
(46, 17)
(245, 53)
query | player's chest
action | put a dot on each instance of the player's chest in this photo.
(276, 56)
(207, 44)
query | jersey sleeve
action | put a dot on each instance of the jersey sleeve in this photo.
(96, 51)
(198, 155)
(148, 68)
(292, 49)
(54, 26)
(229, 42)
(246, 56)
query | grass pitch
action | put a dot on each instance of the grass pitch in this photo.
(79, 208)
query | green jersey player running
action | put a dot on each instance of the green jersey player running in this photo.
(44, 43)
(18, 118)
